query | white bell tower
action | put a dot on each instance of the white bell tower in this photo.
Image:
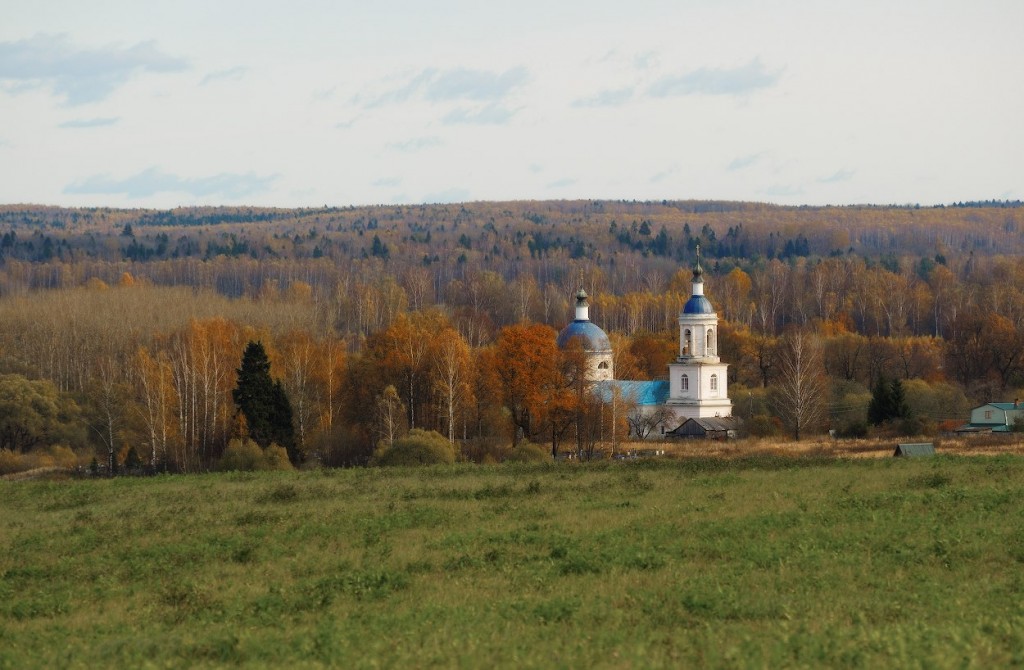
(698, 384)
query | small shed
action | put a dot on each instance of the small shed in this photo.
(709, 428)
(915, 449)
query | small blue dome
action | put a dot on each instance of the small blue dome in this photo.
(593, 338)
(698, 304)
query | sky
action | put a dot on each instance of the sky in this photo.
(310, 103)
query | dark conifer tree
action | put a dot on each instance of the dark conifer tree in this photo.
(281, 420)
(881, 407)
(268, 414)
(900, 408)
(888, 401)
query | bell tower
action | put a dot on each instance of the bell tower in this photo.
(698, 384)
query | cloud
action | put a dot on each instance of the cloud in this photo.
(561, 183)
(708, 81)
(342, 125)
(231, 74)
(436, 85)
(489, 115)
(387, 181)
(462, 84)
(665, 174)
(645, 60)
(416, 144)
(608, 98)
(90, 123)
(78, 74)
(324, 94)
(840, 175)
(153, 180)
(741, 162)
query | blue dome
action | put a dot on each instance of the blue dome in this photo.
(698, 304)
(593, 338)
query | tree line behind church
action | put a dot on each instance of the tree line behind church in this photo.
(143, 354)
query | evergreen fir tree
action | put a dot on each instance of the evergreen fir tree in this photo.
(281, 421)
(888, 401)
(898, 398)
(880, 407)
(263, 402)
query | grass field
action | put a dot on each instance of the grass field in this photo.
(758, 562)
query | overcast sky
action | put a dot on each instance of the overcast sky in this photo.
(306, 103)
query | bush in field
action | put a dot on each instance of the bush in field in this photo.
(247, 455)
(529, 453)
(64, 456)
(485, 450)
(419, 447)
(917, 425)
(855, 429)
(762, 425)
(276, 458)
(130, 459)
(10, 462)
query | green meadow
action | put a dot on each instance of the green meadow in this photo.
(763, 562)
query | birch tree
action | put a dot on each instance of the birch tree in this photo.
(800, 391)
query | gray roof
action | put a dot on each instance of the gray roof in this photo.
(715, 423)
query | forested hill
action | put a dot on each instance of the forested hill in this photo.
(469, 255)
(495, 234)
(149, 311)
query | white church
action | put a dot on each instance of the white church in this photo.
(693, 401)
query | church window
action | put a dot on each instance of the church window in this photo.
(684, 383)
(714, 382)
(687, 343)
(711, 342)
(603, 365)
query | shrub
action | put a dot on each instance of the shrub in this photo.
(10, 461)
(529, 453)
(276, 458)
(419, 447)
(854, 429)
(130, 459)
(485, 450)
(762, 425)
(243, 454)
(38, 459)
(63, 456)
(917, 425)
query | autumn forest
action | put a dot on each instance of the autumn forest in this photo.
(122, 331)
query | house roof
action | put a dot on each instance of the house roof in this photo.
(1003, 406)
(642, 393)
(714, 423)
(983, 427)
(915, 449)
